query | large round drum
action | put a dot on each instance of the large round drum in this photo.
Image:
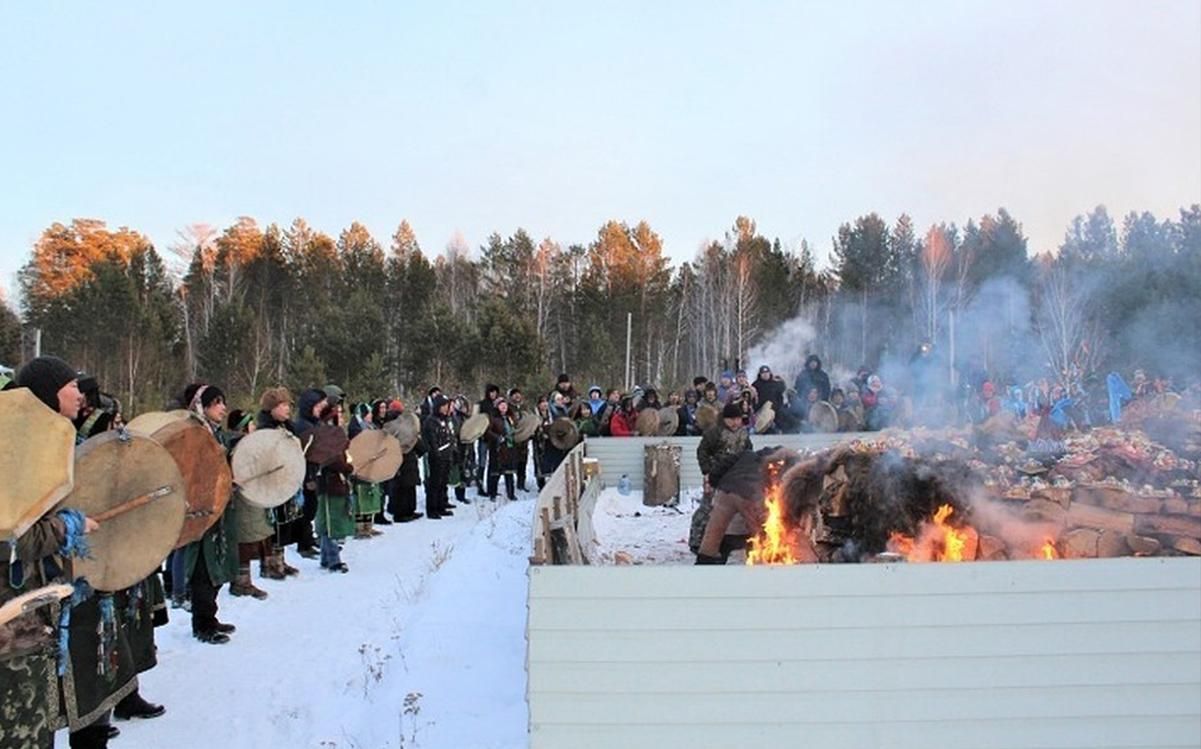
(647, 423)
(406, 428)
(707, 416)
(474, 428)
(824, 417)
(324, 444)
(268, 467)
(563, 433)
(527, 427)
(117, 470)
(669, 421)
(375, 455)
(37, 472)
(205, 469)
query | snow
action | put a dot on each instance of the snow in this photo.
(628, 532)
(432, 612)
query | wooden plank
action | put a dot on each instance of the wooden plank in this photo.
(868, 643)
(851, 580)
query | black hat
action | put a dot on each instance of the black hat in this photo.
(45, 376)
(732, 411)
(430, 393)
(563, 378)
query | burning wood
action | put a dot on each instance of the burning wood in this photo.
(958, 496)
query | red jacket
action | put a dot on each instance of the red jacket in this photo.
(624, 424)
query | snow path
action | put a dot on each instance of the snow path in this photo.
(431, 608)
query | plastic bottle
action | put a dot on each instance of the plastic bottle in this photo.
(623, 485)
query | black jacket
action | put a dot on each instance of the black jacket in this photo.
(813, 378)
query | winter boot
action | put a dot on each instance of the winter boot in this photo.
(381, 519)
(242, 585)
(493, 483)
(361, 530)
(93, 737)
(705, 559)
(509, 494)
(135, 706)
(270, 566)
(281, 563)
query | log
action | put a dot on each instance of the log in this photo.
(1099, 518)
(1114, 498)
(1175, 506)
(1112, 544)
(1059, 495)
(1187, 546)
(1079, 544)
(1172, 525)
(1143, 546)
(1044, 511)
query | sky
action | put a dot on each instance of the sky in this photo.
(479, 117)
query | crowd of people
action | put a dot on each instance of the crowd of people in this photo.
(77, 667)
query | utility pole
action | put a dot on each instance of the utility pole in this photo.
(629, 339)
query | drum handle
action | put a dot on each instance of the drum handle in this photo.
(30, 601)
(133, 504)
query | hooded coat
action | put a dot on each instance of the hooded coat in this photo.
(813, 378)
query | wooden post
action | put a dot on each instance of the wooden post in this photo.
(558, 505)
(544, 516)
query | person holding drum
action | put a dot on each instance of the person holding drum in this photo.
(213, 560)
(275, 412)
(29, 700)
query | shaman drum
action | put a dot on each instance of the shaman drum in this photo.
(324, 444)
(204, 466)
(706, 416)
(37, 472)
(132, 486)
(669, 421)
(474, 428)
(647, 422)
(375, 455)
(766, 417)
(268, 467)
(527, 427)
(563, 433)
(824, 417)
(406, 428)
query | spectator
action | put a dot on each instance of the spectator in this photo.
(813, 376)
(625, 421)
(769, 390)
(725, 387)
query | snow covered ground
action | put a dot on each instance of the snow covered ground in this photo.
(628, 532)
(431, 615)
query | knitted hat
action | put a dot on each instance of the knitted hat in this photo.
(209, 394)
(272, 397)
(732, 411)
(396, 406)
(563, 378)
(45, 376)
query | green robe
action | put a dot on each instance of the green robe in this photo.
(255, 524)
(220, 545)
(335, 516)
(369, 498)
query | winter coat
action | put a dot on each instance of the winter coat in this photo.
(503, 454)
(623, 424)
(441, 442)
(770, 391)
(813, 378)
(409, 473)
(720, 449)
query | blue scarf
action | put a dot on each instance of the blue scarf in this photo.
(1118, 391)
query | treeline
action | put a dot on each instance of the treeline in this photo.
(252, 306)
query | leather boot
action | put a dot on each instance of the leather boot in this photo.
(493, 482)
(242, 585)
(706, 559)
(92, 737)
(509, 493)
(269, 567)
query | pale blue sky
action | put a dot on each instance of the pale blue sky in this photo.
(555, 116)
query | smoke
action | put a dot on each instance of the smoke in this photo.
(785, 348)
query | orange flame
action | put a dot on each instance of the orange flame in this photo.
(1048, 549)
(775, 543)
(937, 541)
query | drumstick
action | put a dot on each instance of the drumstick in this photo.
(32, 600)
(264, 474)
(133, 504)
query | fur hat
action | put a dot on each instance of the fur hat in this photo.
(45, 376)
(272, 397)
